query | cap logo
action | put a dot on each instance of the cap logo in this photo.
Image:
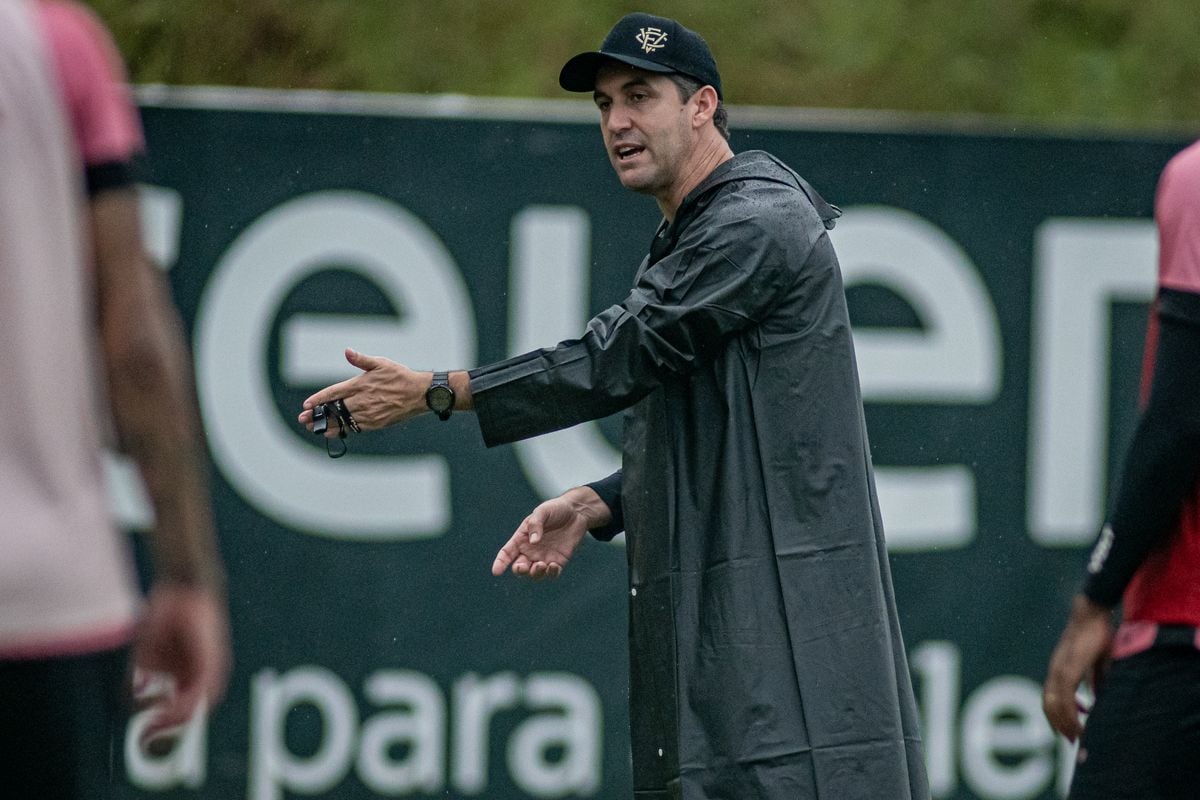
(652, 39)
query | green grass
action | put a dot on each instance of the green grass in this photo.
(1055, 62)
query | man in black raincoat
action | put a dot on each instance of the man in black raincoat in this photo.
(766, 656)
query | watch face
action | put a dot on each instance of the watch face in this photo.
(440, 398)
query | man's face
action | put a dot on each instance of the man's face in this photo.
(646, 127)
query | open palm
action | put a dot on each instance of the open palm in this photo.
(544, 541)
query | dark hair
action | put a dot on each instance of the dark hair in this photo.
(688, 87)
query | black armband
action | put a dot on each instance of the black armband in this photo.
(109, 175)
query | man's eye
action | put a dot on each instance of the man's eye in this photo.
(638, 97)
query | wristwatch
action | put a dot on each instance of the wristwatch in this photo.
(439, 396)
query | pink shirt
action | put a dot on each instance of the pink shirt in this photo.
(91, 77)
(66, 583)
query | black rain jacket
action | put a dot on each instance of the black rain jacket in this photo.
(766, 656)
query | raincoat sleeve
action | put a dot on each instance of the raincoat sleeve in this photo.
(731, 265)
(609, 491)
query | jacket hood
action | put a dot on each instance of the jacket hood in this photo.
(762, 166)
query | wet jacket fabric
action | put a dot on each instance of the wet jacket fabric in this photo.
(766, 656)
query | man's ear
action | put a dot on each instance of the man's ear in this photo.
(704, 103)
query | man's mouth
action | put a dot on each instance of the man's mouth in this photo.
(627, 151)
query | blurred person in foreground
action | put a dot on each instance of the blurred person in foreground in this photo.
(1142, 738)
(77, 283)
(766, 656)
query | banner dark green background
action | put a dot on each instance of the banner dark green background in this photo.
(325, 621)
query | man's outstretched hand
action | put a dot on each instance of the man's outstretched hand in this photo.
(384, 393)
(546, 539)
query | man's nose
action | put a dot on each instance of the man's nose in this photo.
(618, 119)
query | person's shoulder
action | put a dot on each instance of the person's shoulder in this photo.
(92, 81)
(753, 203)
(1179, 184)
(84, 49)
(1188, 158)
(72, 21)
(1184, 166)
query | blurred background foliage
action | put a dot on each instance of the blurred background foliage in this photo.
(1062, 63)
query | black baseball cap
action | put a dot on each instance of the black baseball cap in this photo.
(655, 44)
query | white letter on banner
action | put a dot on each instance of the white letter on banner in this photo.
(161, 212)
(1080, 268)
(183, 765)
(938, 664)
(1004, 718)
(476, 700)
(272, 766)
(420, 724)
(260, 449)
(572, 723)
(548, 284)
(955, 359)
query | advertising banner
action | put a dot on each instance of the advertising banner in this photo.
(997, 283)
